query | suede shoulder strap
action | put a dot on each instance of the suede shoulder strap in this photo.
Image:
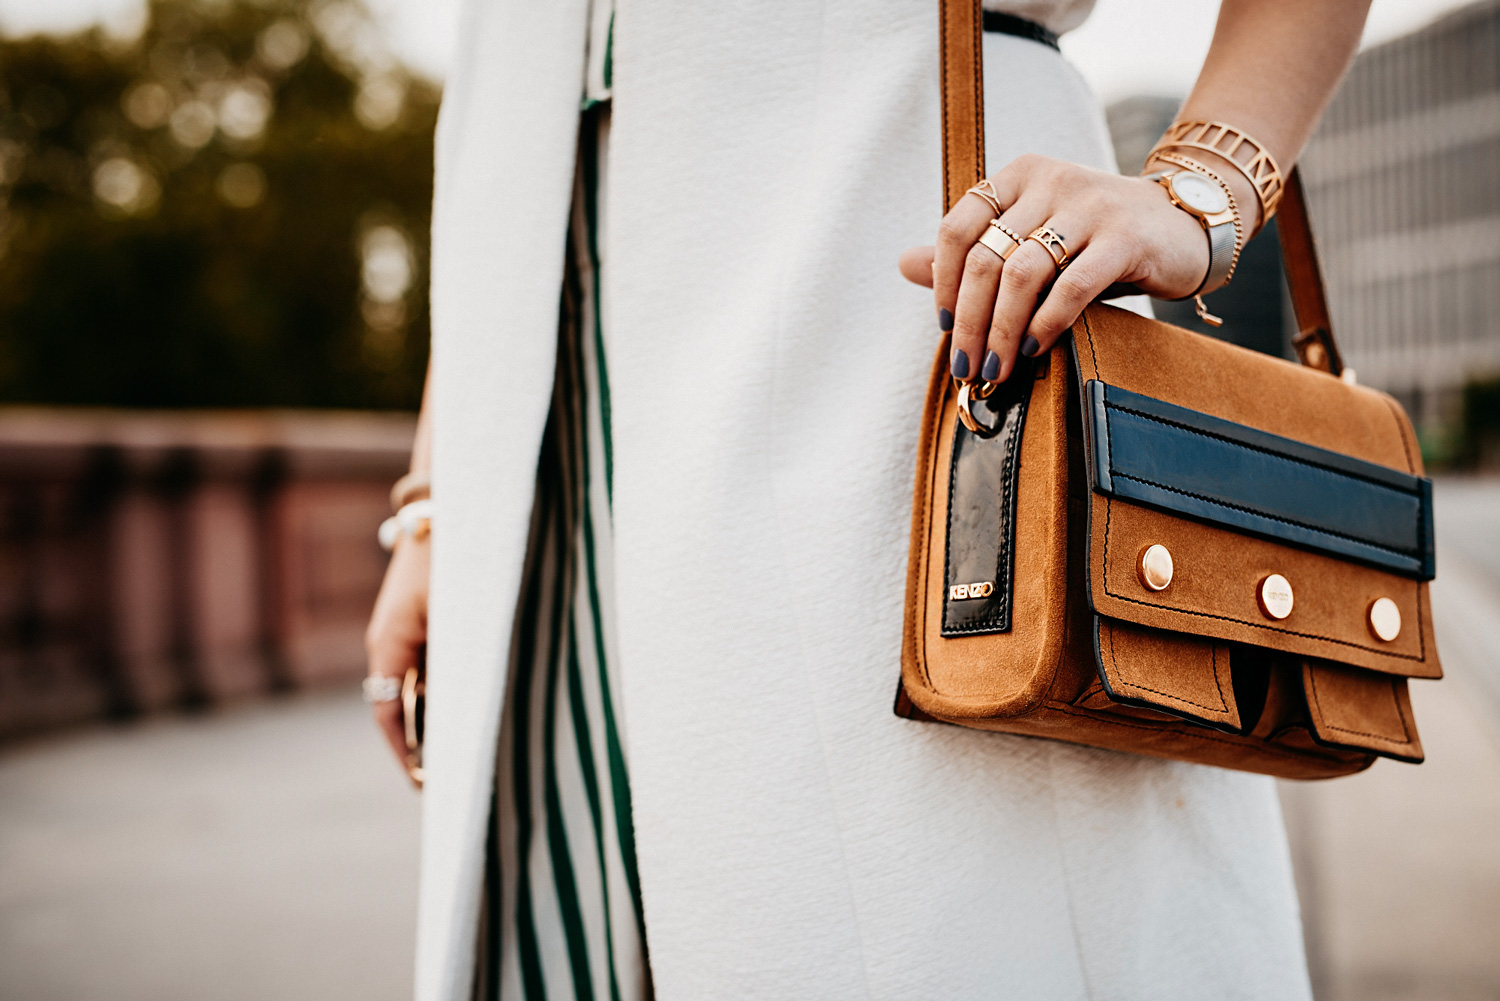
(961, 26)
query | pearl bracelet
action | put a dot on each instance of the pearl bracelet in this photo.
(413, 521)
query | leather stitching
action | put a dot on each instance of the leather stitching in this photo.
(943, 80)
(948, 528)
(1261, 514)
(1420, 657)
(1223, 709)
(927, 457)
(978, 19)
(1088, 332)
(1312, 676)
(1411, 467)
(1260, 747)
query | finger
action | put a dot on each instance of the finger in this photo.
(391, 656)
(1027, 274)
(978, 293)
(392, 724)
(1081, 282)
(975, 309)
(976, 303)
(917, 265)
(393, 648)
(963, 225)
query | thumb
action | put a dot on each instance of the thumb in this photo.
(916, 265)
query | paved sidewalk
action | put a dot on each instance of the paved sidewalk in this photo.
(1399, 867)
(266, 853)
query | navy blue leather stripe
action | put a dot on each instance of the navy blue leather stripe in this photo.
(1180, 460)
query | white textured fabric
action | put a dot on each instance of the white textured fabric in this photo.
(796, 840)
(1054, 15)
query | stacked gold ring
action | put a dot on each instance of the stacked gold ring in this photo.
(1052, 243)
(1000, 239)
(984, 189)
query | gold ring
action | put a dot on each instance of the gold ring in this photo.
(984, 189)
(1000, 238)
(413, 707)
(968, 392)
(1052, 243)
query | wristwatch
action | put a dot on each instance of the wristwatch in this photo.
(1206, 199)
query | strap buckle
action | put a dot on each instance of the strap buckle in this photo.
(1316, 349)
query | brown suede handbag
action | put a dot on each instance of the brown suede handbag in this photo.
(1165, 544)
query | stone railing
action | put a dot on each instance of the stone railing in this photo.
(159, 560)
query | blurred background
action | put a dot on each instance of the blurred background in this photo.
(213, 330)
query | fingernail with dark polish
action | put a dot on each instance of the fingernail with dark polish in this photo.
(960, 366)
(945, 320)
(991, 370)
(1030, 346)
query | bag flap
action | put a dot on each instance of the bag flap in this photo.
(1182, 675)
(1292, 503)
(1350, 708)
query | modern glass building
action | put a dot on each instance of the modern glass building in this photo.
(1403, 177)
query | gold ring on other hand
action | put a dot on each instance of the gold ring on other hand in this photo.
(1052, 242)
(984, 189)
(380, 688)
(1000, 239)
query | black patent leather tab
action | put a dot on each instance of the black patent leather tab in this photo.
(1159, 454)
(980, 558)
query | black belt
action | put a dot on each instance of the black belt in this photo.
(1009, 24)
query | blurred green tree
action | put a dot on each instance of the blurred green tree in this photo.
(229, 210)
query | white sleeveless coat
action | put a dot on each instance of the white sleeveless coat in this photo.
(769, 161)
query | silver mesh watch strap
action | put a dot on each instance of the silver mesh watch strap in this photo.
(1221, 241)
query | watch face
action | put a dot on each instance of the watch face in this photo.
(1199, 193)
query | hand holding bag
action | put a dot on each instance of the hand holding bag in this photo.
(1165, 544)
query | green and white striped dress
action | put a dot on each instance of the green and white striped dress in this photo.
(562, 900)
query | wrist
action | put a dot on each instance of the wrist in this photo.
(414, 486)
(1231, 147)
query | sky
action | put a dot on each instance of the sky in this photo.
(1126, 47)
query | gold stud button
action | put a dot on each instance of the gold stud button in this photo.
(1385, 619)
(1155, 568)
(1275, 596)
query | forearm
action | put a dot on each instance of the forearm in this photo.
(1271, 70)
(421, 446)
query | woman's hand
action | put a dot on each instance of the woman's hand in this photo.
(398, 630)
(1117, 230)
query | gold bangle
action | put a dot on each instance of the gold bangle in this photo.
(414, 486)
(1259, 168)
(1188, 163)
